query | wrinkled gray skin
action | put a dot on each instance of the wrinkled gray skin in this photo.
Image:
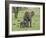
(27, 19)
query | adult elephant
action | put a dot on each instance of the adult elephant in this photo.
(27, 19)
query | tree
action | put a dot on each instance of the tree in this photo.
(15, 11)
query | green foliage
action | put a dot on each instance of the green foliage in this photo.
(20, 15)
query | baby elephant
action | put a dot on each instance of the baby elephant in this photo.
(24, 23)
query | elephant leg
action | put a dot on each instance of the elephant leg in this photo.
(30, 24)
(21, 24)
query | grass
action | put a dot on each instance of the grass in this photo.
(35, 20)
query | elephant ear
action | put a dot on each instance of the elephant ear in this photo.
(26, 15)
(32, 13)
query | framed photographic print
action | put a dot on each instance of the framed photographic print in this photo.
(24, 18)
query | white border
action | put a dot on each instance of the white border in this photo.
(25, 32)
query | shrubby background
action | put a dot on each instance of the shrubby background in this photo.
(18, 15)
